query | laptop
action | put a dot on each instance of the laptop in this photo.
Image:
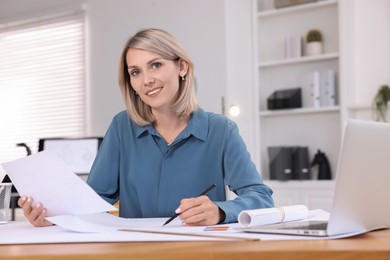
(362, 191)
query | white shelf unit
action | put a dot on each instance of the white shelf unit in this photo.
(316, 128)
(357, 52)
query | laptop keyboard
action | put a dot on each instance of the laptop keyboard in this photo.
(310, 226)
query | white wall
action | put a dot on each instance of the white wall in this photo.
(199, 25)
(239, 68)
(216, 33)
(372, 50)
(366, 48)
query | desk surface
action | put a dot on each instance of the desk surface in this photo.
(373, 245)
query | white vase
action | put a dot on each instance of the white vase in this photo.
(313, 48)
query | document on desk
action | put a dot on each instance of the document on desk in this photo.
(48, 180)
(103, 227)
(100, 222)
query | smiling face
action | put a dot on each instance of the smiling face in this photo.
(155, 79)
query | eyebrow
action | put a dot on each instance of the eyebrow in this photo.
(149, 62)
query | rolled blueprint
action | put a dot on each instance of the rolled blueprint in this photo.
(258, 217)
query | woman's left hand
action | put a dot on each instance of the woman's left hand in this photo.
(200, 211)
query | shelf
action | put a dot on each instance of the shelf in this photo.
(303, 59)
(298, 8)
(299, 111)
(301, 183)
(273, 72)
(359, 107)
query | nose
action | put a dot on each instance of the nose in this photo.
(148, 80)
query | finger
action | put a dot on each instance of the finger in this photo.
(186, 204)
(199, 213)
(26, 206)
(206, 213)
(21, 201)
(41, 221)
(35, 214)
(192, 212)
(38, 215)
(193, 219)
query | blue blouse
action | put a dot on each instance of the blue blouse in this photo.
(150, 177)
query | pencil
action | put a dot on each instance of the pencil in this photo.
(203, 193)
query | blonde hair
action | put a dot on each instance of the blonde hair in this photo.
(165, 45)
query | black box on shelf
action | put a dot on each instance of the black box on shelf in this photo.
(286, 98)
(289, 163)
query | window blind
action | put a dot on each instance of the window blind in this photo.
(42, 82)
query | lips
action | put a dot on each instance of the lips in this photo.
(154, 91)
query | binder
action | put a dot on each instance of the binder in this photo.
(280, 163)
(289, 163)
(301, 164)
(310, 89)
(328, 88)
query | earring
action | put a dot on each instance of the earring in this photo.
(183, 78)
(135, 93)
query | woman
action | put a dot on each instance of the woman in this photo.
(160, 153)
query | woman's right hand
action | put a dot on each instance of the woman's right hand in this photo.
(35, 215)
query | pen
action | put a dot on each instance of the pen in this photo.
(203, 193)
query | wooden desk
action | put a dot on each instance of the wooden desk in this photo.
(374, 245)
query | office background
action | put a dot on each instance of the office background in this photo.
(219, 36)
(203, 27)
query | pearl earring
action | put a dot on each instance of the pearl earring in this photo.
(183, 78)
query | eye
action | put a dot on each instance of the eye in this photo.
(134, 73)
(156, 65)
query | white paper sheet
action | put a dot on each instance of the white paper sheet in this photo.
(104, 222)
(48, 180)
(25, 233)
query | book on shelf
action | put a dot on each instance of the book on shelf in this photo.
(293, 47)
